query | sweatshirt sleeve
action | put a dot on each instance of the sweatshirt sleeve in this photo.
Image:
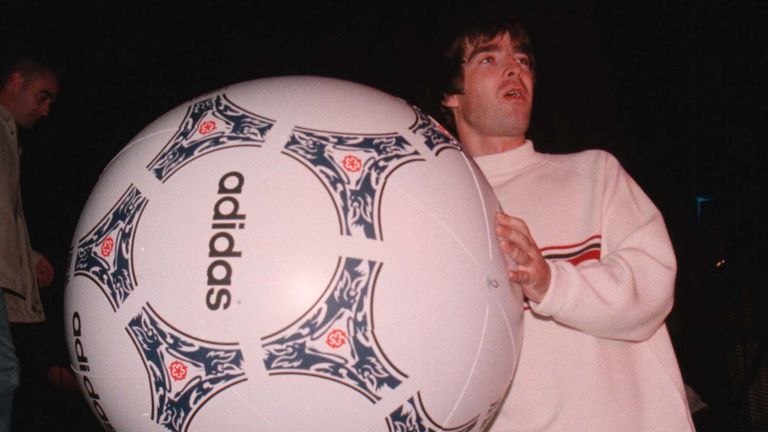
(629, 292)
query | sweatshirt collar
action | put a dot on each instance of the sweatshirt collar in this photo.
(6, 116)
(9, 121)
(498, 167)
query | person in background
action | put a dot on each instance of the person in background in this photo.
(27, 90)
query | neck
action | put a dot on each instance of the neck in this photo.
(4, 108)
(7, 103)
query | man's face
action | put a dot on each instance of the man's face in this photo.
(498, 90)
(33, 96)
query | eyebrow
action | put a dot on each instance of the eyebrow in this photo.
(49, 95)
(495, 47)
(482, 48)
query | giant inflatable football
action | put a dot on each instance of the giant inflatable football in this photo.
(291, 254)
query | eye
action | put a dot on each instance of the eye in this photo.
(43, 98)
(487, 59)
(524, 60)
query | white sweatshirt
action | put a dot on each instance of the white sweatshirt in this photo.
(596, 354)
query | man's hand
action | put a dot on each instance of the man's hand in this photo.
(532, 271)
(43, 271)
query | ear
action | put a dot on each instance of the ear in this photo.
(14, 83)
(450, 100)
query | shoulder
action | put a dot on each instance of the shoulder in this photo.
(593, 162)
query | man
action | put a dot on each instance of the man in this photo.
(589, 249)
(26, 93)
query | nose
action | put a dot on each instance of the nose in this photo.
(44, 109)
(512, 67)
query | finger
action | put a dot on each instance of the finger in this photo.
(519, 277)
(520, 256)
(522, 242)
(513, 222)
(44, 274)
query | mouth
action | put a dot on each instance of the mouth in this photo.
(515, 94)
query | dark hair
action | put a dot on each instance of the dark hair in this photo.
(26, 66)
(449, 78)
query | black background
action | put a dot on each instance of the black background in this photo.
(672, 88)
